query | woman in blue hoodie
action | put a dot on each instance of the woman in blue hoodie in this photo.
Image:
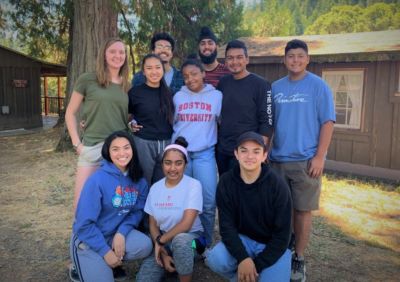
(109, 210)
(197, 110)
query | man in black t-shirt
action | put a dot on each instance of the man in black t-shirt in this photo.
(246, 104)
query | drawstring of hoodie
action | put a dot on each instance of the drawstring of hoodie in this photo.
(160, 146)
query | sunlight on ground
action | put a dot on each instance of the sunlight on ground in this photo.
(361, 211)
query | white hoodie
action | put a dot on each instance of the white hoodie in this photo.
(196, 117)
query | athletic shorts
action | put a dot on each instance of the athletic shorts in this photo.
(90, 155)
(305, 189)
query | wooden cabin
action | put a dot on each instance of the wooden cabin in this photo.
(363, 71)
(20, 92)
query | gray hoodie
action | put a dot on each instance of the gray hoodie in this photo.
(196, 117)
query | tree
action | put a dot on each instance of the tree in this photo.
(272, 17)
(93, 22)
(347, 19)
(381, 16)
(269, 18)
(183, 20)
(42, 28)
(2, 20)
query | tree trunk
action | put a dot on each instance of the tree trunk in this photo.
(93, 22)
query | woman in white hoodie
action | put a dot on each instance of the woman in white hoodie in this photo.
(197, 110)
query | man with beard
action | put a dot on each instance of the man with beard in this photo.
(208, 56)
(162, 44)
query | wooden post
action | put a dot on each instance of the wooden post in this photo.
(46, 102)
(59, 94)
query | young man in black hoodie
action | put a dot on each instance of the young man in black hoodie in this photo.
(254, 207)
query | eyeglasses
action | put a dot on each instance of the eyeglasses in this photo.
(163, 47)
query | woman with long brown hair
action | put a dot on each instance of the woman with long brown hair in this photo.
(104, 101)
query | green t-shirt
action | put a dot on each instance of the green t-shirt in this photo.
(105, 110)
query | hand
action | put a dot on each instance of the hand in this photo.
(118, 245)
(134, 127)
(111, 259)
(79, 149)
(159, 251)
(168, 263)
(316, 167)
(82, 124)
(247, 271)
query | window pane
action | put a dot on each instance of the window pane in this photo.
(341, 116)
(348, 116)
(341, 98)
(347, 86)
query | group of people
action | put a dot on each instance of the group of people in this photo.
(157, 159)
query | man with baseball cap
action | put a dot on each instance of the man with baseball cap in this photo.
(208, 56)
(254, 207)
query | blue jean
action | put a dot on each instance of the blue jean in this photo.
(202, 166)
(92, 267)
(222, 262)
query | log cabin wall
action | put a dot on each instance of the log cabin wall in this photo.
(21, 100)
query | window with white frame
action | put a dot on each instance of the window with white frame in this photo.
(347, 87)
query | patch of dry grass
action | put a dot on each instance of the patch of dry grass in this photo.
(36, 217)
(363, 211)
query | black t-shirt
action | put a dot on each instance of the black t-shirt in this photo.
(246, 106)
(144, 105)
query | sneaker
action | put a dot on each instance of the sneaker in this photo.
(119, 274)
(298, 273)
(73, 273)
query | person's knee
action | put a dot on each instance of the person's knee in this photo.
(181, 240)
(139, 247)
(217, 258)
(280, 271)
(182, 253)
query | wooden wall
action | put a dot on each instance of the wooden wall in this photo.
(24, 103)
(377, 142)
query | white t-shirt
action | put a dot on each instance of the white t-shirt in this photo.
(167, 205)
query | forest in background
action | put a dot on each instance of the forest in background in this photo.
(43, 30)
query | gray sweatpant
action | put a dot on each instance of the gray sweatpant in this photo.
(92, 267)
(150, 154)
(182, 253)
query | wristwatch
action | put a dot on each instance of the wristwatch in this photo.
(158, 240)
(76, 145)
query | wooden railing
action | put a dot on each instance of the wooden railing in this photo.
(52, 105)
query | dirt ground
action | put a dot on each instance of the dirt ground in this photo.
(36, 217)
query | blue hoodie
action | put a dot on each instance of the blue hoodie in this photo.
(110, 202)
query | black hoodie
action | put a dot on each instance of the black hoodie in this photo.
(262, 211)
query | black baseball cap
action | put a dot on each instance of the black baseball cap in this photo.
(250, 136)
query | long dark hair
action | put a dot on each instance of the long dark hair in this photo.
(135, 171)
(166, 103)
